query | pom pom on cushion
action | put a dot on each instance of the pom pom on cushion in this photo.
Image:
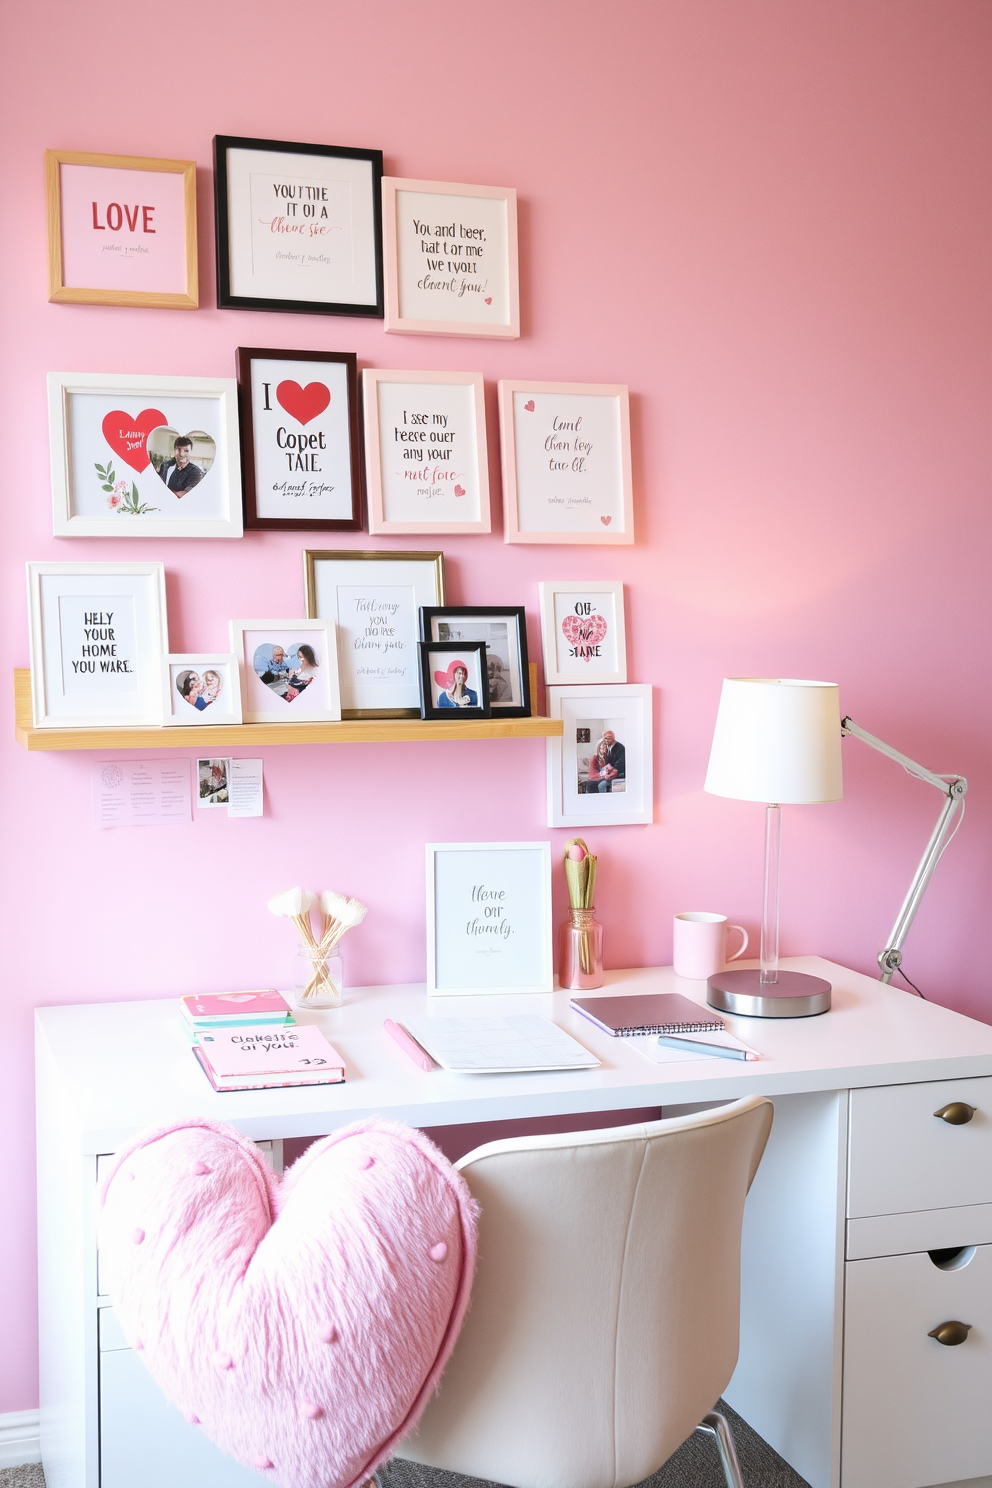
(302, 1323)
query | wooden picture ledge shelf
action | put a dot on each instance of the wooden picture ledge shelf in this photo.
(237, 736)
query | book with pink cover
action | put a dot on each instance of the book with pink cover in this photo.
(263, 1003)
(296, 1055)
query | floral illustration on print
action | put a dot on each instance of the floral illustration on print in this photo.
(121, 499)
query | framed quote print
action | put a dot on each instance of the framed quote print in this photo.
(299, 227)
(583, 634)
(451, 259)
(121, 230)
(200, 688)
(566, 462)
(425, 445)
(300, 441)
(489, 917)
(144, 456)
(601, 771)
(374, 599)
(289, 670)
(98, 632)
(504, 631)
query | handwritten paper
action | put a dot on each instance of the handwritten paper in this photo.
(244, 787)
(141, 793)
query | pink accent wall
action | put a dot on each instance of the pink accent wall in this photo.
(773, 221)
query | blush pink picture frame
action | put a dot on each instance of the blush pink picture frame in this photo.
(566, 475)
(121, 230)
(462, 236)
(470, 447)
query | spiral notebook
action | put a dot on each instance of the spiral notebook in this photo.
(647, 1012)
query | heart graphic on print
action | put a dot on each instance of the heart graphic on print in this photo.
(584, 631)
(303, 404)
(262, 1306)
(489, 299)
(127, 434)
(459, 490)
(606, 521)
(529, 406)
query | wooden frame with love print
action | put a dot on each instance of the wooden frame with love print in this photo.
(144, 456)
(289, 670)
(566, 462)
(301, 439)
(583, 632)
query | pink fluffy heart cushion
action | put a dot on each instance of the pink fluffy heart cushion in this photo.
(302, 1323)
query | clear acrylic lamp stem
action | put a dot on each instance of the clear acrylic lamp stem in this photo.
(769, 911)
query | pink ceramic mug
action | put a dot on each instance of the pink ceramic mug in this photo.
(700, 944)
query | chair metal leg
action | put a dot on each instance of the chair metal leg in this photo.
(716, 1425)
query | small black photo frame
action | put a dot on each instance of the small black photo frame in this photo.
(301, 455)
(504, 630)
(299, 227)
(454, 682)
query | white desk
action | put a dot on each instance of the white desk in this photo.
(858, 1183)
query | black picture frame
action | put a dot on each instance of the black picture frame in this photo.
(245, 357)
(226, 300)
(452, 649)
(432, 617)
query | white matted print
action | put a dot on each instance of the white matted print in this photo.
(425, 444)
(97, 633)
(601, 770)
(566, 462)
(144, 456)
(200, 688)
(450, 258)
(582, 629)
(289, 670)
(489, 917)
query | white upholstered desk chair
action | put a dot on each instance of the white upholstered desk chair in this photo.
(605, 1312)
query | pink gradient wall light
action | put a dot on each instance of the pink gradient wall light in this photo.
(776, 740)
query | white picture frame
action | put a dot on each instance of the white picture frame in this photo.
(111, 437)
(583, 632)
(474, 885)
(200, 689)
(565, 449)
(105, 621)
(450, 258)
(596, 711)
(270, 682)
(426, 451)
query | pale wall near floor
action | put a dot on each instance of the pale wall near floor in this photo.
(773, 221)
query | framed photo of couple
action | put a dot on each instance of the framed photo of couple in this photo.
(288, 670)
(200, 688)
(601, 770)
(504, 632)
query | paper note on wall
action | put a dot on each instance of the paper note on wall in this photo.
(141, 793)
(244, 787)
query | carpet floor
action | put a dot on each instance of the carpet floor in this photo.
(694, 1465)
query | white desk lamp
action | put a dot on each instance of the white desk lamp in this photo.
(778, 741)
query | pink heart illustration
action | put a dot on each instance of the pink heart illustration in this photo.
(584, 631)
(277, 1314)
(529, 406)
(127, 434)
(459, 490)
(489, 299)
(606, 521)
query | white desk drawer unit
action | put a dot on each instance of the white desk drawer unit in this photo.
(918, 1290)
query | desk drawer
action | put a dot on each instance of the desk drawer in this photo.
(903, 1157)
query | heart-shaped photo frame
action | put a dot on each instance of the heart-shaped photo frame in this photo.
(181, 461)
(286, 670)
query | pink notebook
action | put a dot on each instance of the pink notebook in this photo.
(283, 1052)
(264, 1002)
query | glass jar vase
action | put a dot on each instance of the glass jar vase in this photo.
(580, 963)
(318, 981)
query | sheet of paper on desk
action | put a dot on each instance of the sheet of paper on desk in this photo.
(494, 1045)
(660, 1053)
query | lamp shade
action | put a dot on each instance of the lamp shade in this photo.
(777, 740)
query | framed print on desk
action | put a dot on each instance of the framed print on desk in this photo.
(374, 599)
(582, 628)
(601, 770)
(289, 670)
(97, 634)
(566, 462)
(451, 259)
(299, 227)
(504, 630)
(489, 917)
(300, 439)
(121, 230)
(144, 456)
(428, 459)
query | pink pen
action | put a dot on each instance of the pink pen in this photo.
(409, 1046)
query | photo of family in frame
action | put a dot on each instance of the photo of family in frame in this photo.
(199, 691)
(286, 671)
(601, 758)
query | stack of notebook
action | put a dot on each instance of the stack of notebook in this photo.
(265, 1008)
(268, 1058)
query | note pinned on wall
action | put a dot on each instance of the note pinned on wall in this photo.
(141, 793)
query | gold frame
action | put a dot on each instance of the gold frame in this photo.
(361, 555)
(60, 293)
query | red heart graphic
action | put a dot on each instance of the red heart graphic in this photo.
(606, 521)
(303, 404)
(127, 435)
(529, 406)
(489, 299)
(459, 490)
(584, 630)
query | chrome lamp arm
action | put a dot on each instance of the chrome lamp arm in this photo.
(953, 787)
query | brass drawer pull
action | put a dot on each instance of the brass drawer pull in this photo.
(950, 1333)
(958, 1113)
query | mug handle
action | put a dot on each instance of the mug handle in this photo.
(743, 943)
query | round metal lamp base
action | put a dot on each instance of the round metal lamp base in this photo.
(794, 995)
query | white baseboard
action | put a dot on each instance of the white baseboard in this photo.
(20, 1439)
